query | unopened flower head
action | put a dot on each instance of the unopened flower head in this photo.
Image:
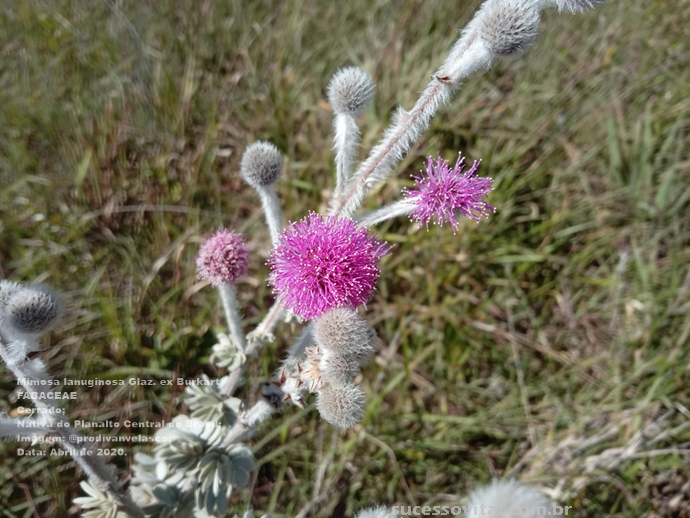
(508, 26)
(7, 290)
(261, 164)
(573, 6)
(32, 310)
(342, 406)
(377, 512)
(344, 332)
(350, 91)
(445, 192)
(338, 370)
(322, 263)
(509, 498)
(223, 258)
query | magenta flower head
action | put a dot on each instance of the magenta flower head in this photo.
(223, 258)
(444, 193)
(319, 264)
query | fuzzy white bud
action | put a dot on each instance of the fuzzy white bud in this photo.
(507, 27)
(32, 310)
(342, 406)
(509, 498)
(7, 289)
(574, 6)
(336, 369)
(350, 91)
(261, 164)
(343, 332)
(377, 512)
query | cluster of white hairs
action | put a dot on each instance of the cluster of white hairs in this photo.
(323, 270)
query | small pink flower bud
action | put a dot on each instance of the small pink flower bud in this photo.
(342, 406)
(223, 258)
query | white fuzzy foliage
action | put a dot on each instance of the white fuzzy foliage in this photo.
(344, 332)
(100, 504)
(508, 498)
(377, 512)
(342, 406)
(508, 26)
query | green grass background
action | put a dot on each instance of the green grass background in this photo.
(555, 331)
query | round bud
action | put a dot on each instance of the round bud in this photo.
(342, 406)
(7, 289)
(343, 332)
(350, 91)
(508, 26)
(222, 258)
(573, 6)
(509, 498)
(33, 310)
(377, 512)
(336, 369)
(261, 164)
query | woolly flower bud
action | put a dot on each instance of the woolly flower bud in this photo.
(377, 512)
(573, 6)
(336, 369)
(342, 406)
(350, 91)
(223, 258)
(261, 164)
(508, 26)
(509, 498)
(343, 332)
(7, 289)
(32, 310)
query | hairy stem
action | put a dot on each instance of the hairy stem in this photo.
(467, 55)
(271, 208)
(228, 295)
(345, 142)
(374, 217)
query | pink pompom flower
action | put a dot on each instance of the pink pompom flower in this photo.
(445, 192)
(223, 258)
(319, 264)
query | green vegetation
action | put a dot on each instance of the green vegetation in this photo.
(549, 342)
